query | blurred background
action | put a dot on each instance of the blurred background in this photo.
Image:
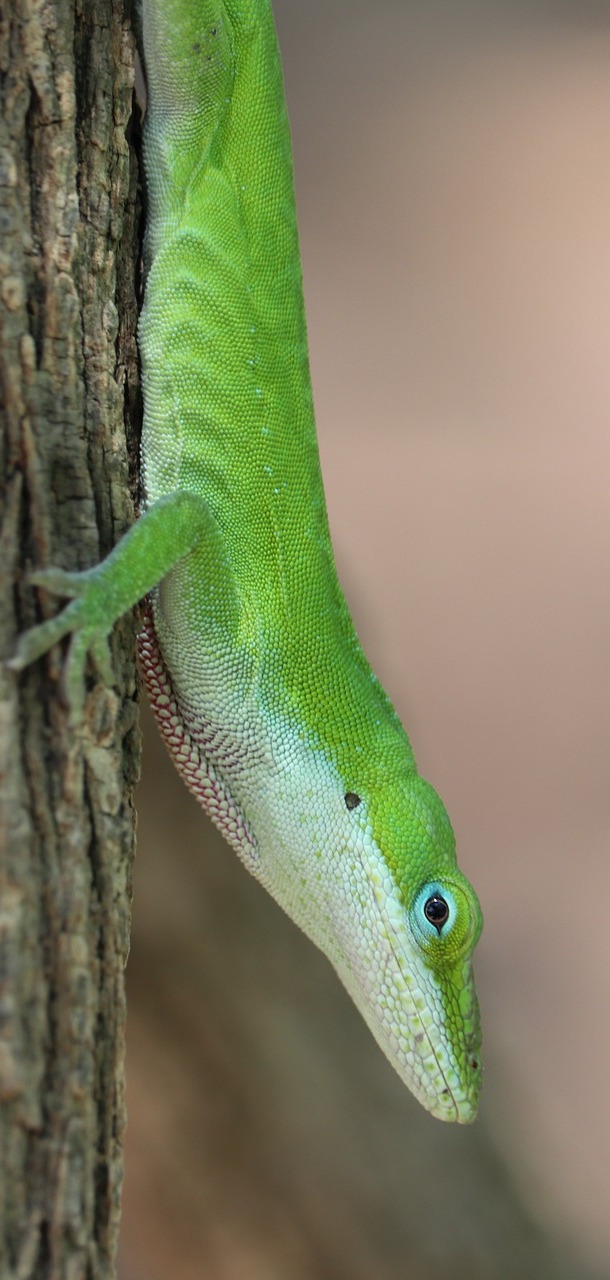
(453, 181)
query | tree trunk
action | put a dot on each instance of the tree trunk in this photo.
(68, 372)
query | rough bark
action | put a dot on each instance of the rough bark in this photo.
(67, 307)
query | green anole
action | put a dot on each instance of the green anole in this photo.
(256, 676)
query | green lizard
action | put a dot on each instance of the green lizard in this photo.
(258, 681)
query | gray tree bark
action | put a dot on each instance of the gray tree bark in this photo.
(68, 369)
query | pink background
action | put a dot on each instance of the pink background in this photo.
(453, 180)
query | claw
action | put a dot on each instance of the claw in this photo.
(73, 678)
(102, 656)
(33, 643)
(57, 581)
(74, 619)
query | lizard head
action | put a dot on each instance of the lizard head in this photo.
(407, 963)
(361, 854)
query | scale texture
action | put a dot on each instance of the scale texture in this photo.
(257, 678)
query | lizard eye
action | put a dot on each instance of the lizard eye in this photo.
(446, 919)
(436, 911)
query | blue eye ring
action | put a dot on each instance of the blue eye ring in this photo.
(434, 911)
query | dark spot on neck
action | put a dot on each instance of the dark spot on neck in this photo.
(351, 800)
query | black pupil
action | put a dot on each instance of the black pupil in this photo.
(436, 911)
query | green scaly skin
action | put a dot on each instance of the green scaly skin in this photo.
(255, 672)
